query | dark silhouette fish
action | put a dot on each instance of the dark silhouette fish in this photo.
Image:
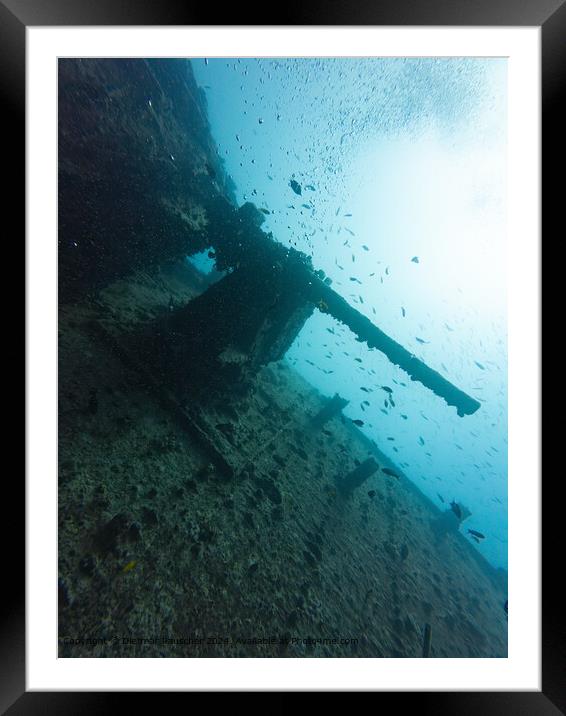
(389, 471)
(295, 186)
(476, 534)
(359, 423)
(415, 259)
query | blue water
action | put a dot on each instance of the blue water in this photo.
(401, 164)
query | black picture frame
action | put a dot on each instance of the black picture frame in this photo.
(550, 15)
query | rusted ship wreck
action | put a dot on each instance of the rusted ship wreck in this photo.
(211, 502)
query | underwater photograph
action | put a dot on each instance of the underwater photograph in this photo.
(282, 357)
